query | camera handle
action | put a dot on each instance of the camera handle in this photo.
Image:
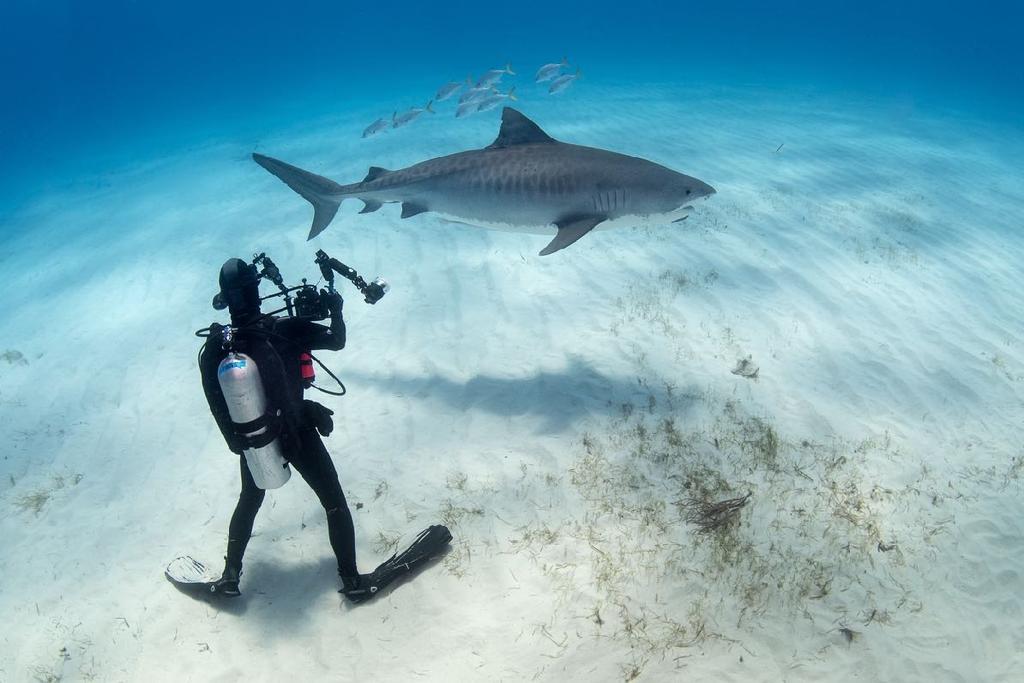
(270, 271)
(330, 265)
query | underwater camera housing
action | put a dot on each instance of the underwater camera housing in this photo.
(305, 301)
(309, 304)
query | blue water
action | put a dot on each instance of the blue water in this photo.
(863, 251)
(91, 84)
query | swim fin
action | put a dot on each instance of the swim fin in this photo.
(194, 578)
(431, 543)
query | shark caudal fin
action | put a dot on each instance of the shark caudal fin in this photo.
(322, 193)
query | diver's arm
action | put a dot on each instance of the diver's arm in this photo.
(337, 331)
(311, 336)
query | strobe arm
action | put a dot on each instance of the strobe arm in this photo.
(372, 292)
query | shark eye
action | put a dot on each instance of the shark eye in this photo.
(688, 190)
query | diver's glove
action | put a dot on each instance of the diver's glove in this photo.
(334, 301)
(319, 416)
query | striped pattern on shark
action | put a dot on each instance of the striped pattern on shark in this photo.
(525, 181)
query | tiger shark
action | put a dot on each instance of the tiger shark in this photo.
(525, 181)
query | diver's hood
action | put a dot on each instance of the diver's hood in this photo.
(239, 289)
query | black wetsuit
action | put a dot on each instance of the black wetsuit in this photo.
(275, 346)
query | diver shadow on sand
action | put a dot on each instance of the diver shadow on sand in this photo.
(287, 592)
(558, 399)
(266, 585)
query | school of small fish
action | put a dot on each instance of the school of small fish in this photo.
(480, 95)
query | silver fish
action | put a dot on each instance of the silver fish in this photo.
(496, 98)
(525, 181)
(375, 127)
(473, 94)
(467, 108)
(493, 76)
(563, 82)
(447, 90)
(398, 120)
(549, 71)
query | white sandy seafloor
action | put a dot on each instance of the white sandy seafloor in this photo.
(555, 412)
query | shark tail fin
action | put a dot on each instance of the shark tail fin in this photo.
(430, 102)
(512, 93)
(321, 192)
(508, 69)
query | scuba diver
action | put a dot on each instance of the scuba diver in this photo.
(254, 372)
(279, 348)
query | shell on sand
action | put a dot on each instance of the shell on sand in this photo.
(745, 368)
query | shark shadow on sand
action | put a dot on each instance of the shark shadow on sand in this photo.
(561, 399)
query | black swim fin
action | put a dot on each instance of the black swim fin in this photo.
(430, 543)
(194, 578)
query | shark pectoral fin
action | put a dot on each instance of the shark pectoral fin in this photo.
(412, 209)
(369, 206)
(570, 230)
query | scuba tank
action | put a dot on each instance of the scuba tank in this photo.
(239, 380)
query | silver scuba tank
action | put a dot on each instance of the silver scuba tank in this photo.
(240, 383)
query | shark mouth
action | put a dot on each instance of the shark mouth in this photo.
(682, 218)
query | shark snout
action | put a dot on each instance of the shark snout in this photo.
(704, 190)
(693, 189)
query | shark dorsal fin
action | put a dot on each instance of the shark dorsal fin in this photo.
(516, 129)
(374, 173)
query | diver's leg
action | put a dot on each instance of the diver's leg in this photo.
(317, 469)
(240, 530)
